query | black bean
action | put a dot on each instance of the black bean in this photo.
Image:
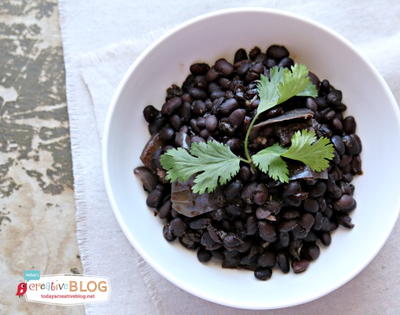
(324, 87)
(266, 260)
(243, 67)
(330, 115)
(197, 93)
(200, 82)
(171, 105)
(199, 224)
(226, 128)
(167, 232)
(318, 190)
(314, 79)
(353, 145)
(196, 139)
(204, 133)
(260, 194)
(150, 113)
(283, 262)
(345, 221)
(174, 90)
(346, 203)
(234, 144)
(199, 68)
(333, 190)
(217, 215)
(286, 62)
(338, 144)
(182, 139)
(299, 232)
(267, 231)
(326, 238)
(230, 260)
(269, 63)
(231, 241)
(263, 273)
(291, 189)
(337, 124)
(273, 206)
(349, 125)
(240, 55)
(284, 239)
(175, 121)
(178, 227)
(232, 191)
(233, 210)
(311, 104)
(257, 67)
(287, 226)
(228, 106)
(203, 255)
(260, 58)
(190, 240)
(156, 125)
(254, 53)
(154, 198)
(165, 209)
(251, 76)
(262, 213)
(321, 101)
(224, 83)
(201, 122)
(211, 123)
(244, 173)
(311, 205)
(312, 252)
(300, 266)
(208, 242)
(307, 221)
(167, 134)
(277, 52)
(290, 214)
(356, 165)
(251, 225)
(334, 97)
(311, 237)
(148, 179)
(212, 74)
(223, 66)
(236, 117)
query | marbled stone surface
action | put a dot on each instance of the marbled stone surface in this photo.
(37, 215)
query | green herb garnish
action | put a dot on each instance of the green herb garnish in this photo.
(214, 164)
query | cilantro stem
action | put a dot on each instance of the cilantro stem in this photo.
(246, 139)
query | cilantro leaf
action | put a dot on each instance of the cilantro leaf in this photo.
(295, 83)
(270, 162)
(213, 163)
(283, 84)
(307, 149)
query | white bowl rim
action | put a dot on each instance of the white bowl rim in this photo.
(163, 271)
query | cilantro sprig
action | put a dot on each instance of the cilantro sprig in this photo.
(213, 163)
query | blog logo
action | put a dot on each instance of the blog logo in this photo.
(64, 289)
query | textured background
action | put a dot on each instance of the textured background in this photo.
(37, 214)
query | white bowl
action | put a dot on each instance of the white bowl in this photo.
(327, 54)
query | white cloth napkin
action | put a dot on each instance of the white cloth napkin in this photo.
(101, 39)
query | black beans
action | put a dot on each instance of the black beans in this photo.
(236, 117)
(150, 113)
(277, 52)
(178, 227)
(171, 105)
(349, 125)
(228, 106)
(232, 191)
(199, 68)
(197, 93)
(223, 66)
(282, 262)
(353, 144)
(338, 144)
(346, 203)
(148, 179)
(267, 231)
(252, 221)
(311, 205)
(263, 273)
(240, 55)
(167, 133)
(199, 107)
(154, 198)
(300, 266)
